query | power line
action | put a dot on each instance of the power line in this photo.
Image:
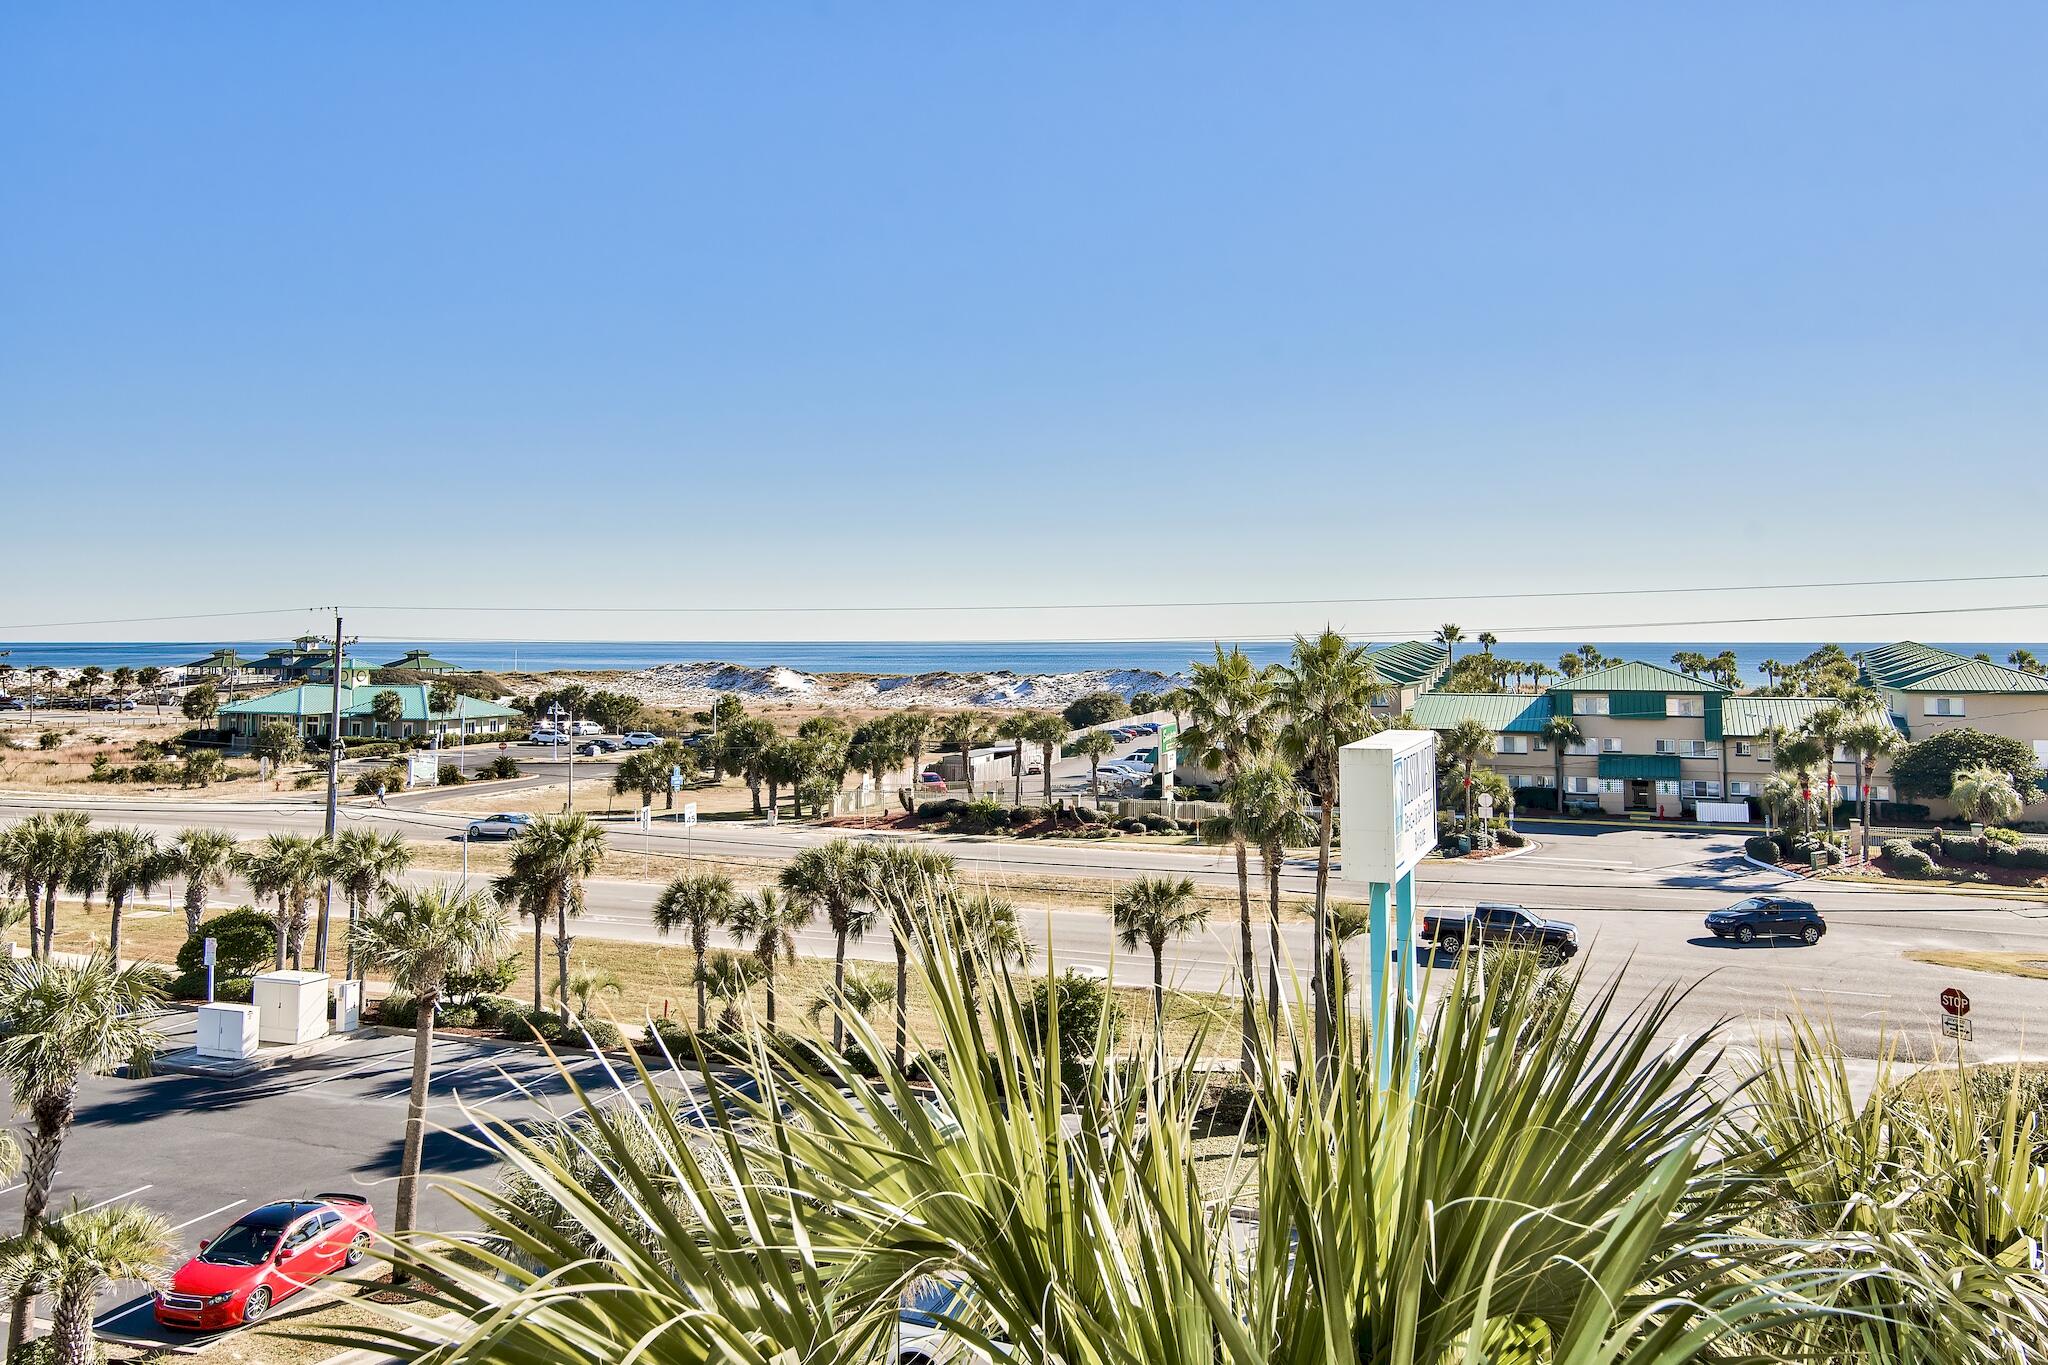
(1247, 602)
(868, 608)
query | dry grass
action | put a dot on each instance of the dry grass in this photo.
(24, 766)
(2031, 966)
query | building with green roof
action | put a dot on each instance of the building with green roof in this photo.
(1409, 669)
(419, 661)
(306, 708)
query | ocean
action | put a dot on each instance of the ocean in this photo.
(879, 656)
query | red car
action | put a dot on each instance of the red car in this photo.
(269, 1254)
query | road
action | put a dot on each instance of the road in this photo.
(1635, 894)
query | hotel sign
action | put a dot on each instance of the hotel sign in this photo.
(1387, 786)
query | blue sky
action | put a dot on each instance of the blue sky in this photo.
(831, 304)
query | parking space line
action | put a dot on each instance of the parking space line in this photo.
(208, 1214)
(104, 1202)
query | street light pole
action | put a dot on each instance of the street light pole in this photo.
(333, 789)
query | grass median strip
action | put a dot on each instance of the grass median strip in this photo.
(2030, 965)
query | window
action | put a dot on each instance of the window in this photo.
(1580, 785)
(1944, 706)
(1589, 704)
(1667, 788)
(1700, 791)
(2041, 752)
(1699, 748)
(1667, 746)
(1763, 754)
(1541, 745)
(1583, 747)
(1511, 744)
(1880, 793)
(1684, 706)
(1610, 785)
(1610, 744)
(1741, 789)
(1742, 748)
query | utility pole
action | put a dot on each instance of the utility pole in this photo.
(333, 789)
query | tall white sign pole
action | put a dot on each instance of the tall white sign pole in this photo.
(1387, 786)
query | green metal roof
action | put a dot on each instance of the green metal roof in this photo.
(315, 699)
(1748, 717)
(1911, 667)
(1502, 713)
(1634, 676)
(1415, 662)
(419, 661)
(1647, 767)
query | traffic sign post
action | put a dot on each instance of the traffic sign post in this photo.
(1954, 1007)
(210, 950)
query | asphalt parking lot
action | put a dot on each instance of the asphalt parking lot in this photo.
(202, 1152)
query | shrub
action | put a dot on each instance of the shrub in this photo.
(1535, 798)
(1084, 1007)
(484, 979)
(450, 776)
(979, 817)
(493, 1010)
(1158, 824)
(1911, 864)
(398, 1010)
(235, 990)
(602, 1034)
(1761, 847)
(245, 942)
(1928, 768)
(1898, 848)
(1508, 838)
(1023, 815)
(1094, 709)
(504, 765)
(386, 779)
(1997, 834)
(524, 1027)
(457, 1016)
(1130, 826)
(2033, 858)
(1962, 850)
(49, 739)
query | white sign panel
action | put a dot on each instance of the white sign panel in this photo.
(1387, 791)
(689, 814)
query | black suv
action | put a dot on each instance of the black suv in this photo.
(1746, 921)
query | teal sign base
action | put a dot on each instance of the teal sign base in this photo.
(1393, 1002)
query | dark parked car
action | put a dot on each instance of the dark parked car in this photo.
(1746, 921)
(13, 704)
(1491, 922)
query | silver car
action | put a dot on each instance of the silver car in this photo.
(509, 826)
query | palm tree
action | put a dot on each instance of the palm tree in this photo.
(730, 975)
(741, 747)
(1800, 761)
(781, 764)
(21, 871)
(205, 858)
(586, 986)
(287, 867)
(1096, 745)
(904, 883)
(422, 935)
(2025, 662)
(367, 865)
(64, 1020)
(1870, 740)
(985, 929)
(1450, 637)
(695, 901)
(673, 756)
(550, 861)
(1560, 732)
(874, 749)
(1049, 733)
(767, 921)
(1772, 670)
(1465, 744)
(1016, 727)
(130, 861)
(1570, 665)
(913, 729)
(1487, 640)
(1270, 810)
(961, 731)
(1233, 725)
(1325, 691)
(642, 772)
(1155, 911)
(76, 1258)
(829, 879)
(1985, 796)
(1826, 726)
(90, 675)
(67, 848)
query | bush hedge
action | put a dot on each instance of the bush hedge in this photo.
(245, 942)
(1762, 847)
(389, 779)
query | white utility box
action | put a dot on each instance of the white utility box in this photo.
(293, 1007)
(348, 1006)
(227, 1031)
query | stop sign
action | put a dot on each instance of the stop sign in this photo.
(502, 746)
(1954, 1001)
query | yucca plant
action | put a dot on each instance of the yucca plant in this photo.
(1552, 1185)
